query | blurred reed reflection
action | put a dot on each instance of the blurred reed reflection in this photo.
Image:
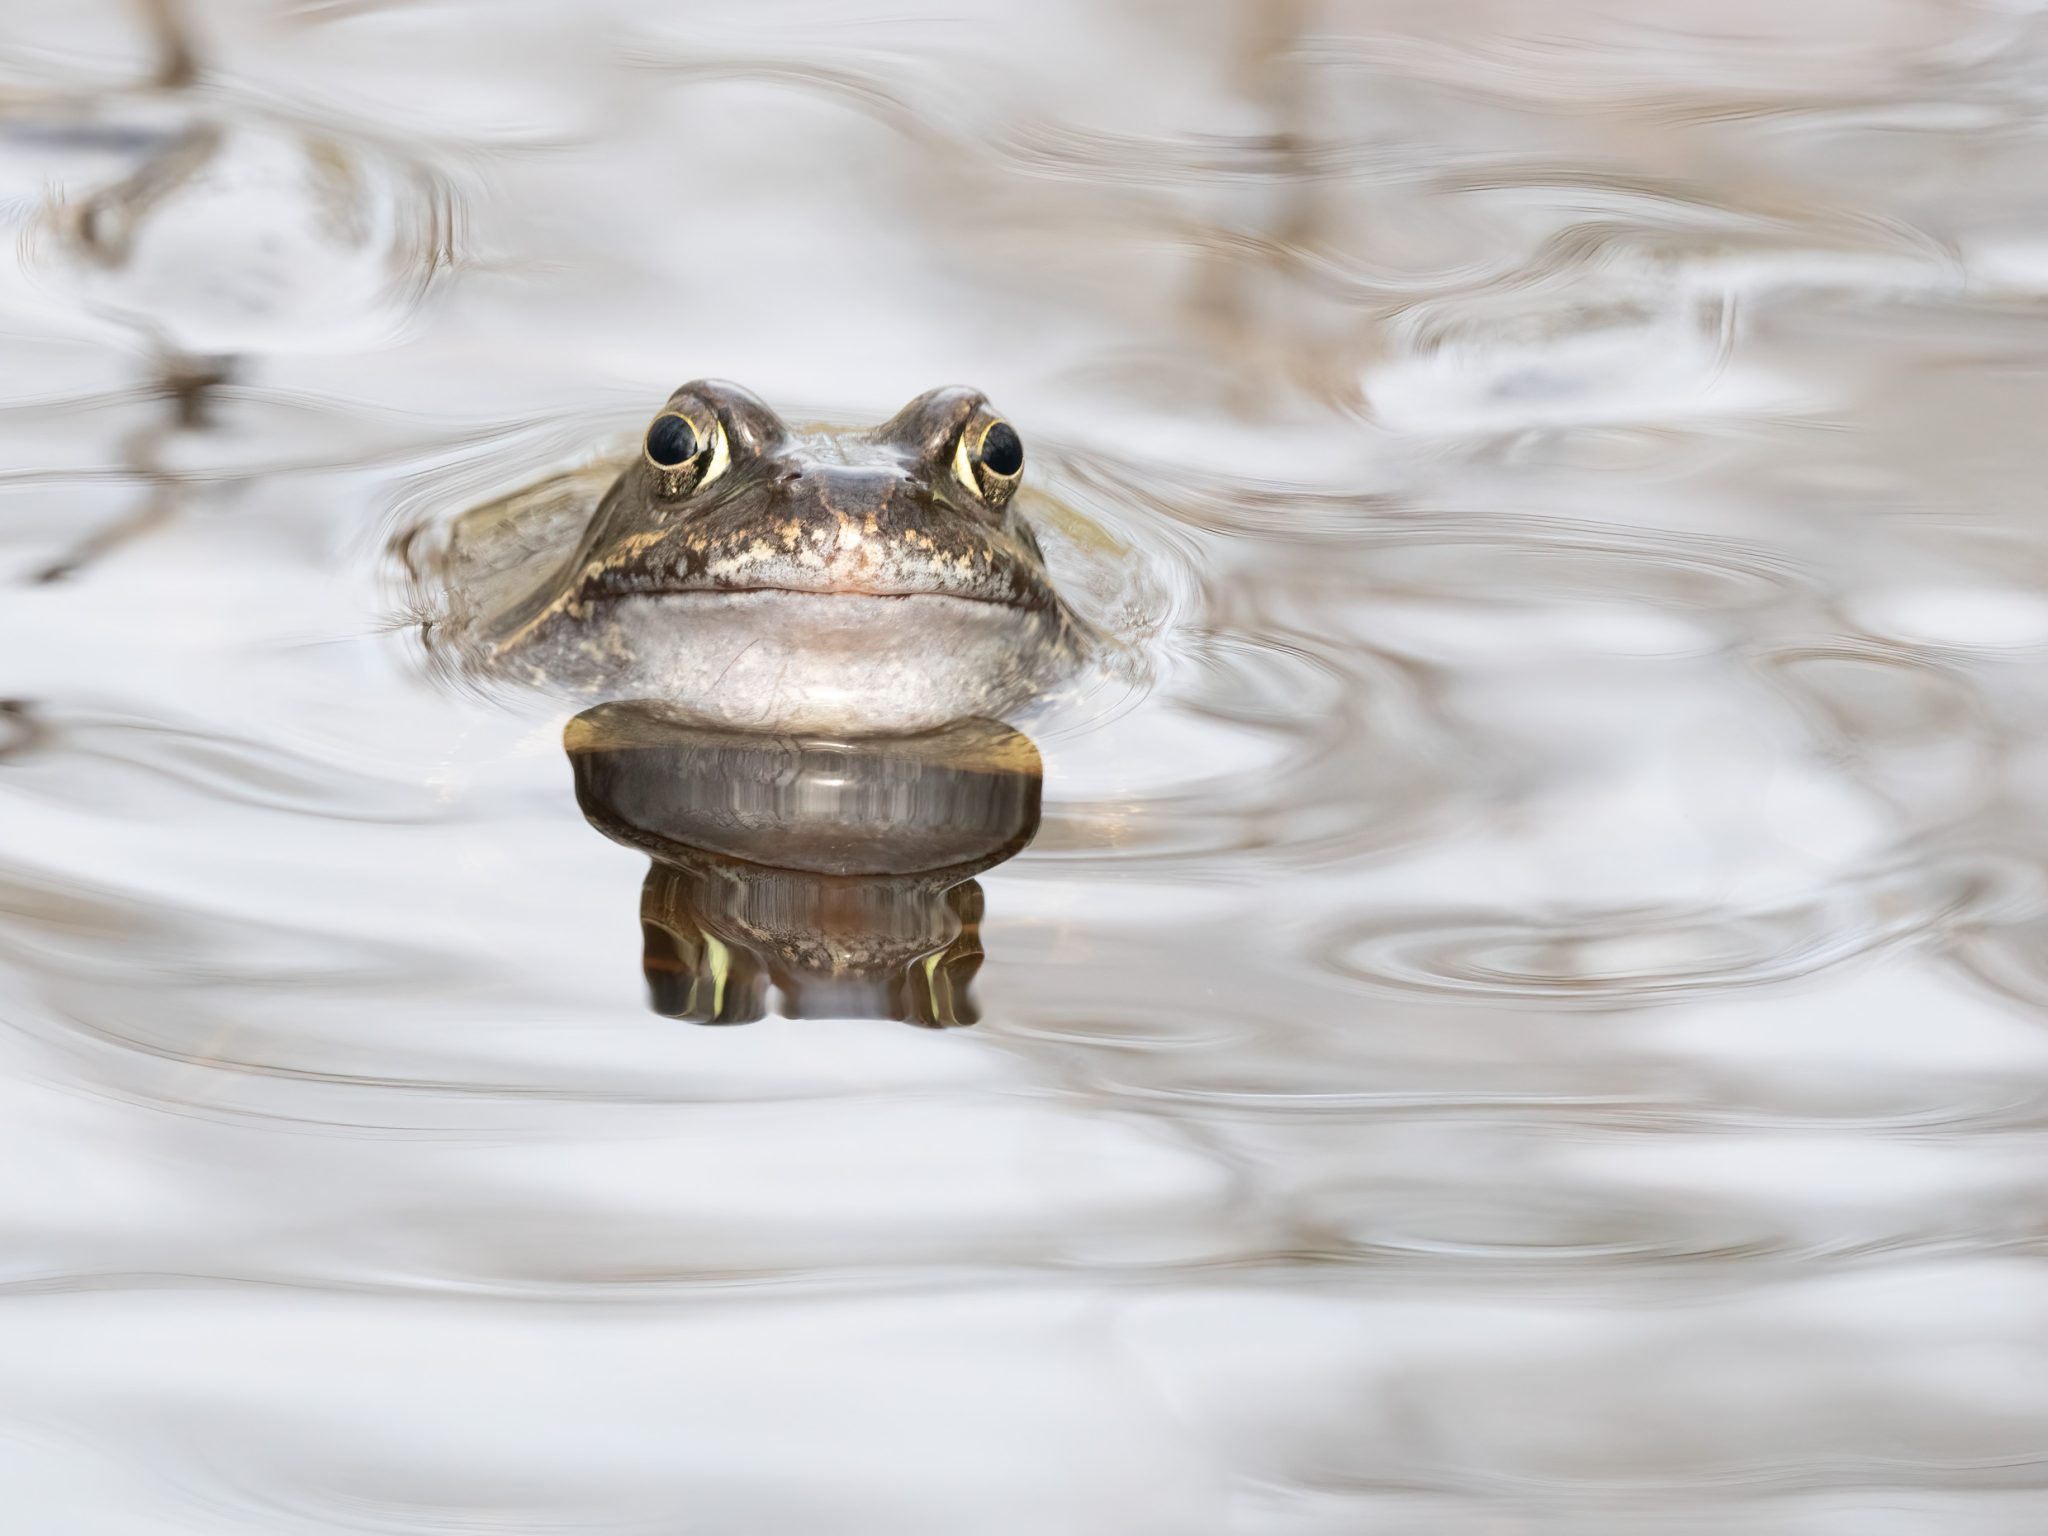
(822, 878)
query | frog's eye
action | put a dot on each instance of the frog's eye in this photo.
(685, 454)
(671, 441)
(989, 460)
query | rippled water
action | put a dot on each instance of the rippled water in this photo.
(1522, 1011)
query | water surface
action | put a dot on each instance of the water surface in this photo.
(1524, 1013)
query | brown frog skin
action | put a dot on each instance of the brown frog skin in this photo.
(754, 576)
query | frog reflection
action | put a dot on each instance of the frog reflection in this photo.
(827, 878)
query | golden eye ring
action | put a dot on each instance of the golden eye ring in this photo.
(989, 461)
(684, 454)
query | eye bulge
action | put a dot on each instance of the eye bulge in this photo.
(988, 459)
(671, 442)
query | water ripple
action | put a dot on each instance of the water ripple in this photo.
(1635, 958)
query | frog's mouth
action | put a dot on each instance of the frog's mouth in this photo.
(794, 609)
(983, 572)
(1039, 600)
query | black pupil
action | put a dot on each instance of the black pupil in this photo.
(1002, 450)
(671, 441)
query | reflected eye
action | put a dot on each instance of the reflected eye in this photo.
(685, 454)
(989, 460)
(671, 442)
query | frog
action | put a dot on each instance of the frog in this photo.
(752, 575)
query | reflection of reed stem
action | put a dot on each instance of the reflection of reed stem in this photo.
(157, 509)
(104, 227)
(187, 383)
(21, 732)
(177, 67)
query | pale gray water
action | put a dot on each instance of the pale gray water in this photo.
(1524, 1013)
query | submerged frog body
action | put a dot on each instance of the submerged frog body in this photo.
(754, 576)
